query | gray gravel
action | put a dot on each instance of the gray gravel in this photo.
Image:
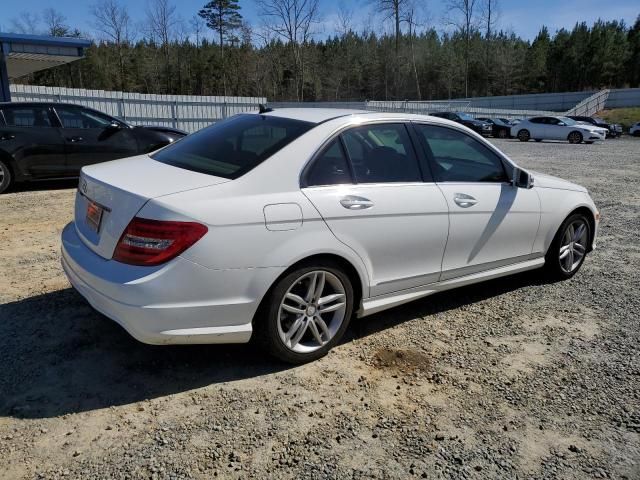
(515, 378)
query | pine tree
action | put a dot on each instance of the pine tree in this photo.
(222, 16)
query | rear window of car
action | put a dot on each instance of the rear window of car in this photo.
(233, 147)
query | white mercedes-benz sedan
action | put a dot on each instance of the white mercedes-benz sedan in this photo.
(557, 128)
(279, 226)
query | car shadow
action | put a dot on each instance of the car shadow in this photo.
(59, 356)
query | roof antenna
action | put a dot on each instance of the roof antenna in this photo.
(263, 109)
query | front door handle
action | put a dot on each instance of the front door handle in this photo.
(75, 139)
(463, 200)
(353, 202)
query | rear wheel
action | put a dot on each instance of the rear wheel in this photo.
(569, 247)
(5, 177)
(524, 135)
(575, 137)
(307, 313)
(502, 134)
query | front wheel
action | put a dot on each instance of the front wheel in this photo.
(569, 247)
(307, 313)
(524, 135)
(575, 137)
(5, 177)
(502, 134)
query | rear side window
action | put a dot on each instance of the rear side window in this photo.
(233, 147)
(330, 167)
(26, 116)
(457, 157)
(382, 153)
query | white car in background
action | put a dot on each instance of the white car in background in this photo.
(557, 128)
(280, 225)
(635, 130)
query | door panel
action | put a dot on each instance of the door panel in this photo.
(399, 230)
(491, 222)
(90, 138)
(497, 227)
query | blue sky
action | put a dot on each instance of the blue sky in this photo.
(524, 17)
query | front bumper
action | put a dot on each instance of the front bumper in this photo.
(180, 302)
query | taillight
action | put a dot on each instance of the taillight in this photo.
(152, 242)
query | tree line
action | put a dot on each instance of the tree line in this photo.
(287, 57)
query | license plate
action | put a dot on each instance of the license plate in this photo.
(94, 216)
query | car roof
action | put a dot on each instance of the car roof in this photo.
(341, 117)
(314, 115)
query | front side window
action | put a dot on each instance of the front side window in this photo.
(457, 157)
(76, 117)
(330, 167)
(382, 153)
(232, 147)
(18, 116)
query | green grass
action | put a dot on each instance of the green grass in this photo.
(624, 116)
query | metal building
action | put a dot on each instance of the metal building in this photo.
(23, 54)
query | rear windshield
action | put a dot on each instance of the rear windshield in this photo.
(231, 148)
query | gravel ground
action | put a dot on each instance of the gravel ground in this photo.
(515, 378)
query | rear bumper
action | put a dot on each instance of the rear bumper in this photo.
(177, 303)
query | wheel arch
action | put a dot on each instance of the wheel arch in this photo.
(591, 218)
(349, 269)
(9, 161)
(575, 131)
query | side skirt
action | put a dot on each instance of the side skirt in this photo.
(377, 304)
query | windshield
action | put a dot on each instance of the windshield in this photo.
(465, 116)
(233, 147)
(567, 120)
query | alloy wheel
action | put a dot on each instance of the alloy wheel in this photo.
(524, 136)
(574, 245)
(311, 311)
(575, 137)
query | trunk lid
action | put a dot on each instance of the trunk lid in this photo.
(120, 189)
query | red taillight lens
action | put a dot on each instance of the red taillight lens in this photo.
(152, 242)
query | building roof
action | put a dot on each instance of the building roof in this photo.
(24, 54)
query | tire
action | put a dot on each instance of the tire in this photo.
(502, 134)
(575, 137)
(5, 177)
(564, 268)
(524, 135)
(538, 140)
(589, 143)
(277, 323)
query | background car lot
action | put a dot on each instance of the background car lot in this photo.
(513, 377)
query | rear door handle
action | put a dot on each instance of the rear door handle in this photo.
(352, 202)
(463, 200)
(75, 139)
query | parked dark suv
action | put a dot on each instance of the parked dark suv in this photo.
(483, 128)
(615, 130)
(55, 140)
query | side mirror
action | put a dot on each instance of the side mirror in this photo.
(522, 179)
(114, 126)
